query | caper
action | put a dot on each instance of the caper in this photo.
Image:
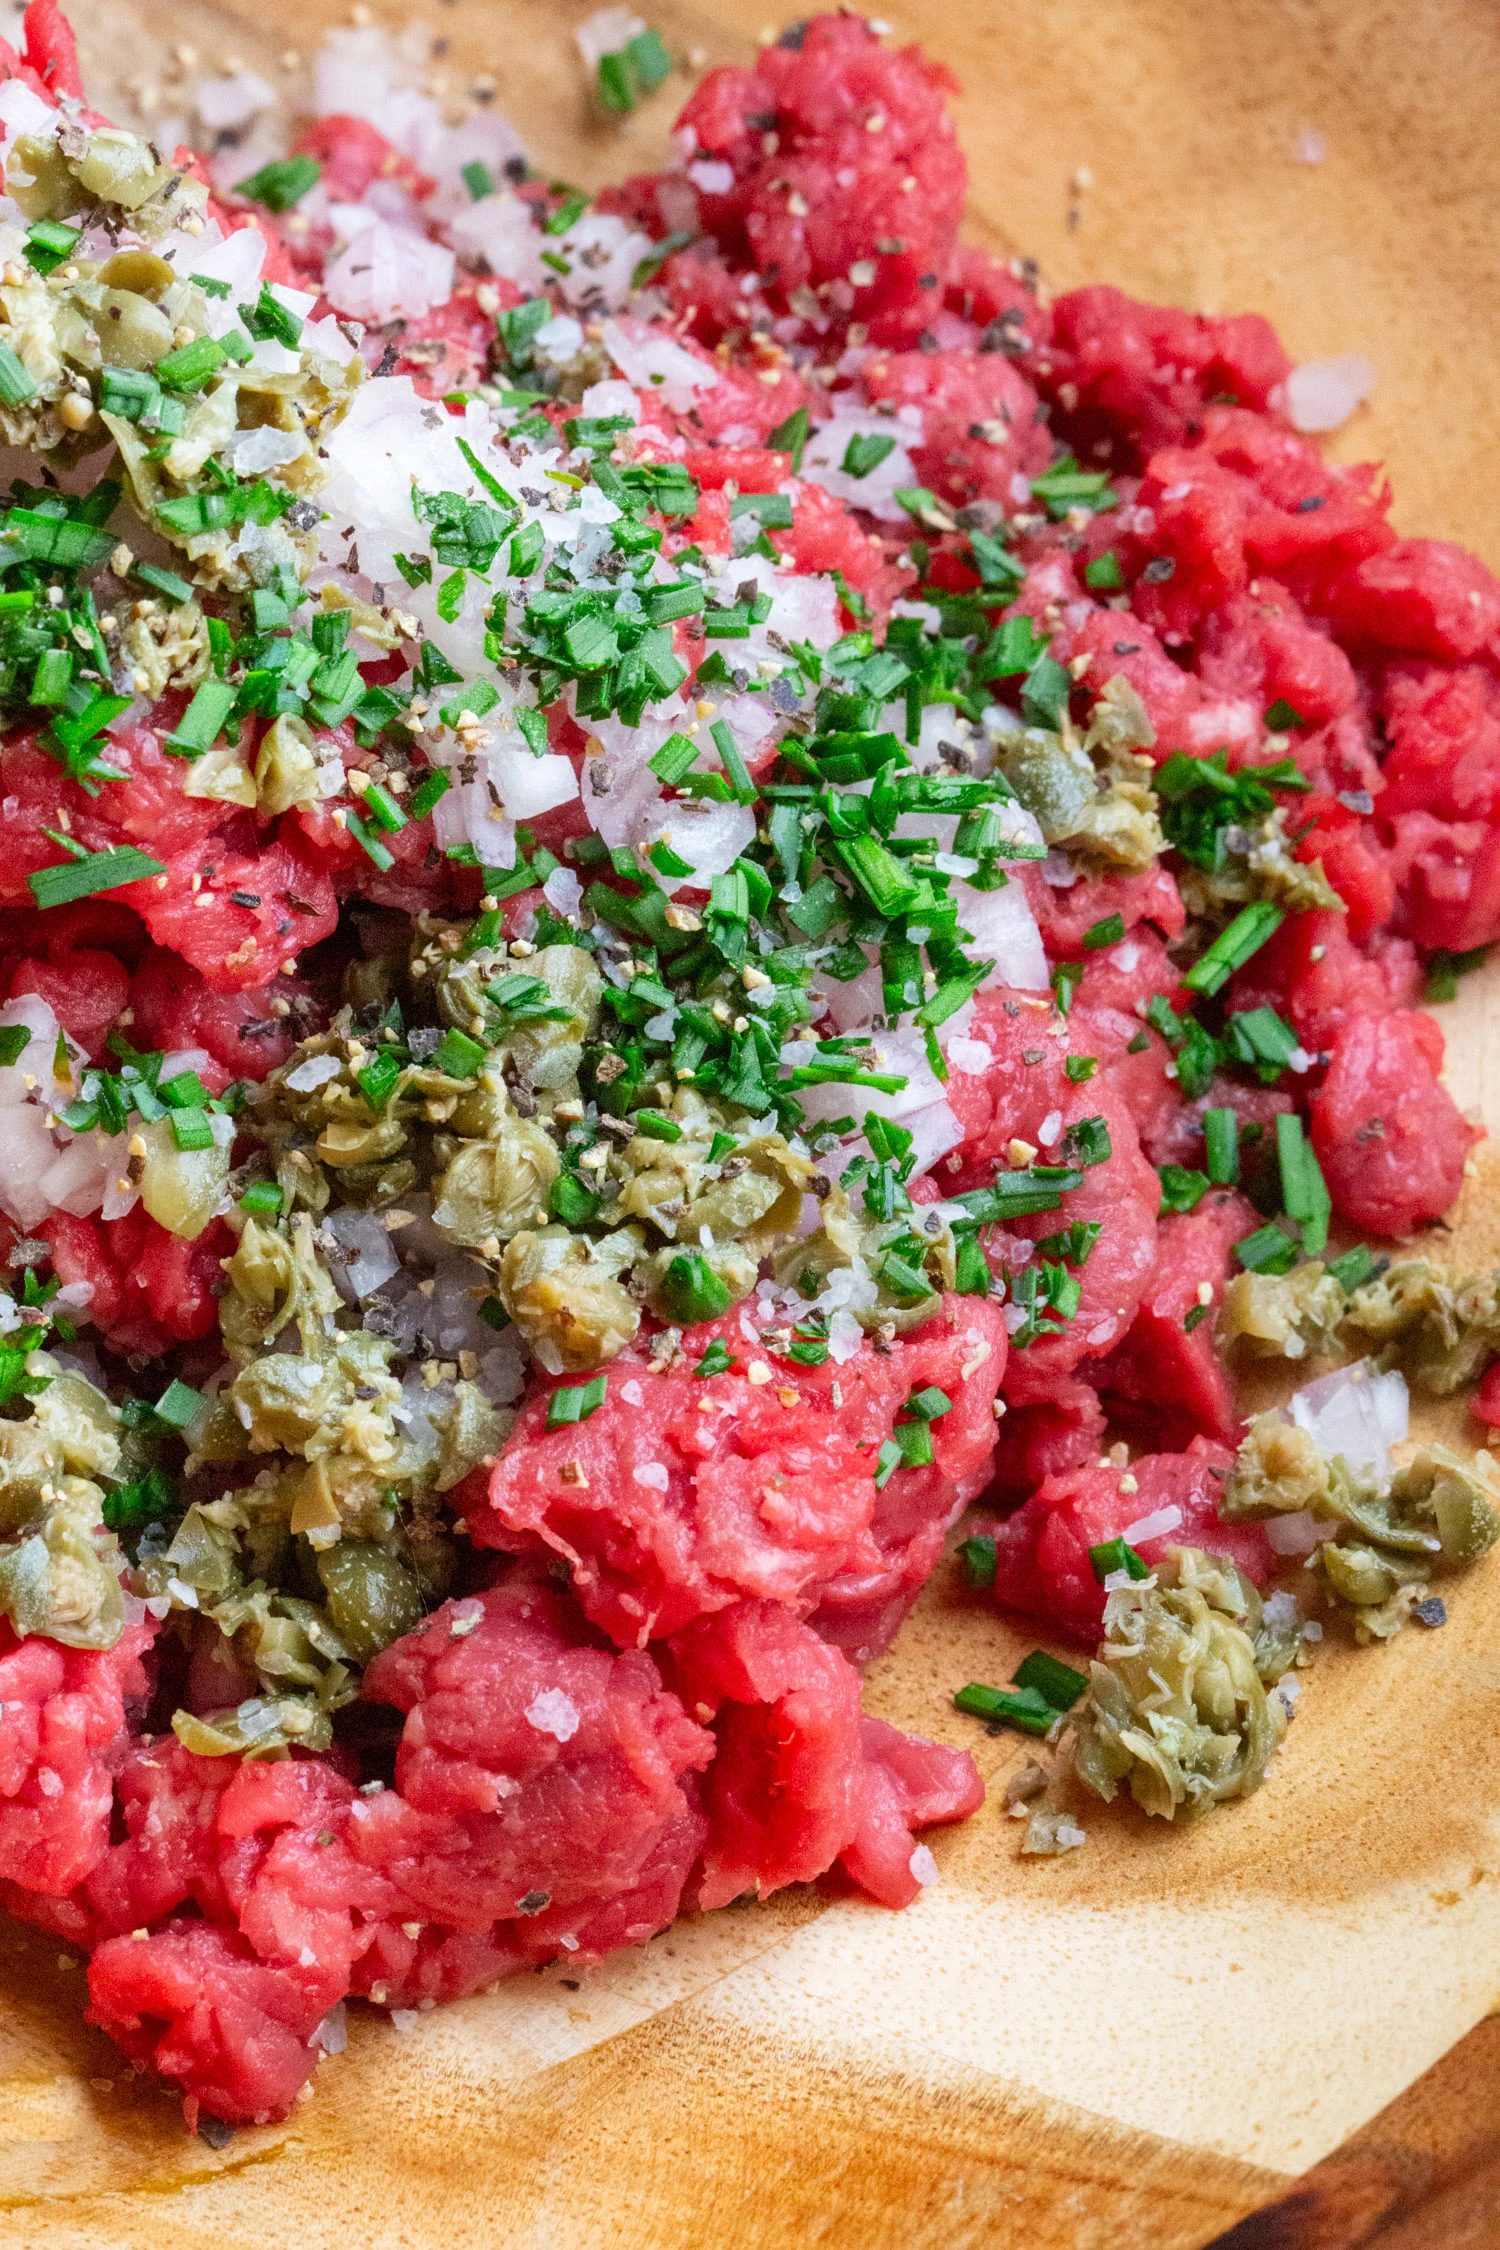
(372, 1598)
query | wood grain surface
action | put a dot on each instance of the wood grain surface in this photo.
(1170, 2034)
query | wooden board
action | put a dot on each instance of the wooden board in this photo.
(1165, 2032)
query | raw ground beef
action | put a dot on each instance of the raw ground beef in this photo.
(648, 1693)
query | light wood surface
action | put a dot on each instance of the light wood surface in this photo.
(1169, 2031)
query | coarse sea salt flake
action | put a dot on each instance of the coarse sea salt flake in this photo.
(316, 1071)
(1154, 1526)
(652, 1474)
(552, 1712)
(924, 1868)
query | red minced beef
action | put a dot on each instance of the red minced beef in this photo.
(683, 1494)
(683, 1722)
(1042, 1551)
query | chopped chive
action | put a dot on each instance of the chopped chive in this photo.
(202, 722)
(270, 321)
(383, 808)
(281, 184)
(1114, 1555)
(1221, 1132)
(379, 1079)
(1109, 931)
(164, 581)
(865, 452)
(655, 1125)
(1181, 1188)
(1354, 1268)
(1233, 947)
(980, 1558)
(476, 178)
(567, 214)
(576, 1402)
(84, 878)
(53, 676)
(1028, 1711)
(1058, 1682)
(1304, 1192)
(185, 1091)
(261, 1198)
(734, 763)
(368, 842)
(1087, 1143)
(190, 367)
(692, 1288)
(1268, 1250)
(16, 386)
(178, 1403)
(49, 244)
(14, 1040)
(675, 758)
(191, 1129)
(432, 786)
(456, 1055)
(790, 436)
(570, 1201)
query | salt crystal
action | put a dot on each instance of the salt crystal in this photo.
(653, 1475)
(1154, 1526)
(552, 1712)
(405, 2019)
(924, 1868)
(632, 1393)
(316, 1071)
(711, 177)
(1297, 1534)
(971, 1058)
(332, 2033)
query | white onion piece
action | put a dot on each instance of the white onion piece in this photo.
(642, 354)
(23, 112)
(611, 398)
(603, 252)
(35, 1060)
(500, 229)
(823, 458)
(527, 785)
(710, 837)
(605, 32)
(388, 273)
(26, 1154)
(1321, 394)
(225, 104)
(934, 1131)
(1005, 932)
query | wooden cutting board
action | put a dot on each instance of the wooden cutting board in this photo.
(1166, 2031)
